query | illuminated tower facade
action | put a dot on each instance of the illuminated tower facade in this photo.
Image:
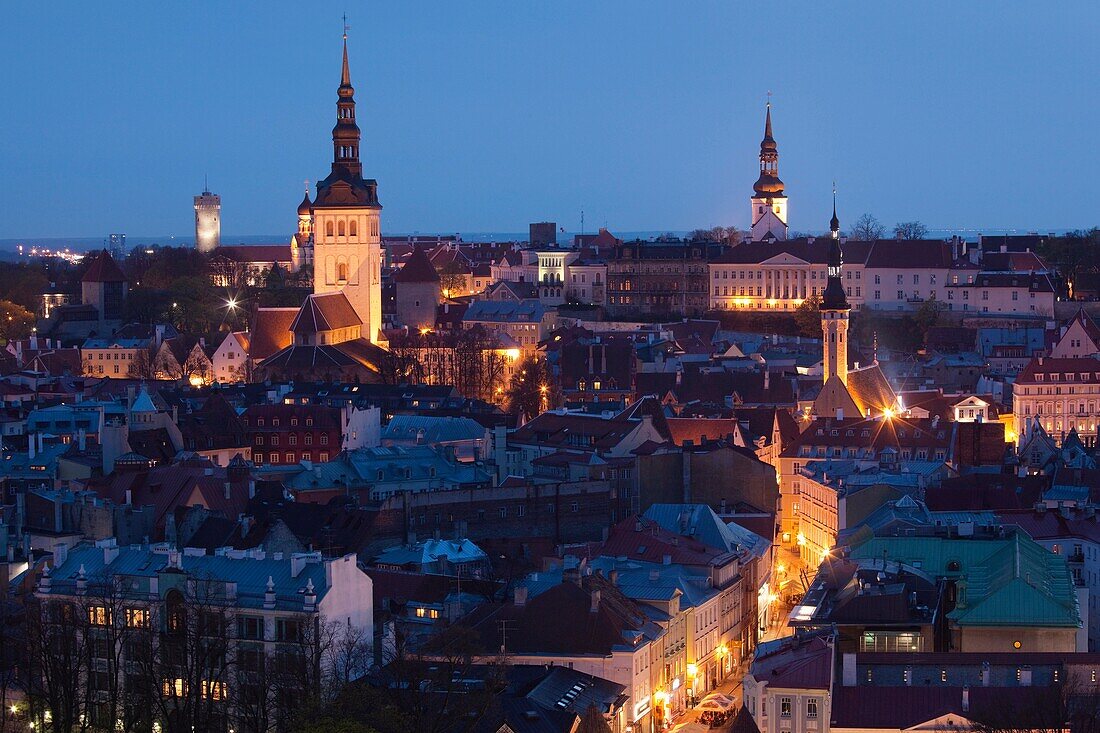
(301, 244)
(769, 205)
(208, 221)
(347, 245)
(835, 309)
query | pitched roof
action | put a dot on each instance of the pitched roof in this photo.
(256, 253)
(103, 269)
(417, 269)
(325, 312)
(870, 390)
(270, 331)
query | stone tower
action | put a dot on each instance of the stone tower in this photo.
(208, 221)
(347, 246)
(769, 205)
(835, 309)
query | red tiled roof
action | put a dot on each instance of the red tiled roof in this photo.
(806, 665)
(255, 253)
(870, 390)
(325, 312)
(104, 269)
(641, 539)
(417, 269)
(1068, 369)
(909, 253)
(699, 429)
(270, 331)
(865, 432)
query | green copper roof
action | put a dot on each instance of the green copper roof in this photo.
(1009, 581)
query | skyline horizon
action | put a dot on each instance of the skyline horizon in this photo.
(637, 151)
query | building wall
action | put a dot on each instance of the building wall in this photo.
(348, 258)
(416, 304)
(1002, 639)
(564, 512)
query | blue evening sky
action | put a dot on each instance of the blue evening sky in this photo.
(482, 116)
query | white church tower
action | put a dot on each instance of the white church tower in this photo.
(347, 246)
(769, 205)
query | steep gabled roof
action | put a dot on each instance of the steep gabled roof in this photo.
(270, 331)
(417, 269)
(325, 312)
(104, 269)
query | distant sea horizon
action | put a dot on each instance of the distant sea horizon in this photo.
(9, 246)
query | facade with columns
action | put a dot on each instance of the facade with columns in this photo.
(347, 244)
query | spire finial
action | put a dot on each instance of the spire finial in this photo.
(768, 118)
(834, 223)
(345, 74)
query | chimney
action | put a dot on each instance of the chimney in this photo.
(613, 576)
(520, 598)
(309, 597)
(595, 607)
(81, 440)
(666, 559)
(848, 673)
(840, 413)
(298, 563)
(985, 674)
(60, 554)
(226, 487)
(269, 594)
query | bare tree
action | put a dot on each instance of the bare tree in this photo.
(867, 228)
(910, 230)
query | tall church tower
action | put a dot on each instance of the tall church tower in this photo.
(769, 205)
(208, 221)
(347, 247)
(835, 308)
(301, 244)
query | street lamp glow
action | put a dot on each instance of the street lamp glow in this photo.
(887, 413)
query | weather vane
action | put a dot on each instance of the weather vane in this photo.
(346, 26)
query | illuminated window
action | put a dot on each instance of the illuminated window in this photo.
(213, 689)
(420, 612)
(784, 707)
(137, 618)
(99, 616)
(811, 707)
(174, 687)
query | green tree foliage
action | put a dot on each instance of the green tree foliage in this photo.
(808, 317)
(531, 389)
(15, 321)
(24, 283)
(1074, 254)
(928, 315)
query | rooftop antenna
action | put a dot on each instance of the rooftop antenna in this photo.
(582, 221)
(205, 184)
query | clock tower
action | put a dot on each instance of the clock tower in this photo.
(347, 246)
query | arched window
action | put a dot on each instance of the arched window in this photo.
(353, 228)
(176, 620)
(328, 229)
(340, 228)
(342, 271)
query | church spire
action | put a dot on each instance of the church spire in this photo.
(834, 297)
(768, 184)
(834, 223)
(345, 135)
